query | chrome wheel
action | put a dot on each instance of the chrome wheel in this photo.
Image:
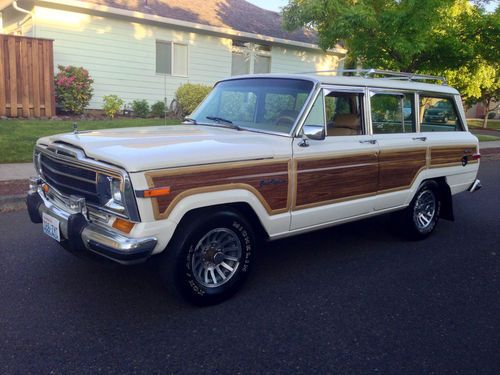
(425, 209)
(216, 257)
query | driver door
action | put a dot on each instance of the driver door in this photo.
(335, 178)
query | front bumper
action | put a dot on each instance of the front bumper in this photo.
(82, 237)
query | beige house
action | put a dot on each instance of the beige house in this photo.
(145, 49)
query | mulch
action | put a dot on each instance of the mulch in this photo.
(14, 187)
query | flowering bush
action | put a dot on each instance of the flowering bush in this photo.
(73, 88)
(112, 105)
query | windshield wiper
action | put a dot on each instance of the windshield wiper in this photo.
(190, 120)
(221, 120)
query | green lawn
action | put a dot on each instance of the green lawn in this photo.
(17, 137)
(492, 124)
(487, 138)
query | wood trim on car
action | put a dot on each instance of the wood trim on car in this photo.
(449, 156)
(263, 178)
(312, 181)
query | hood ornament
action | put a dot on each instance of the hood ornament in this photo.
(75, 128)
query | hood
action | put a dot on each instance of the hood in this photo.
(156, 147)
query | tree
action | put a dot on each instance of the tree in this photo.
(404, 35)
(455, 38)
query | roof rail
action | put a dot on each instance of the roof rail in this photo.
(385, 74)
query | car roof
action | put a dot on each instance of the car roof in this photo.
(385, 83)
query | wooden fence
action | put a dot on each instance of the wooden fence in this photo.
(26, 77)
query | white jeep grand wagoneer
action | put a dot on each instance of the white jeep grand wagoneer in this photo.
(262, 157)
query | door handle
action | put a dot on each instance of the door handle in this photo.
(423, 139)
(370, 141)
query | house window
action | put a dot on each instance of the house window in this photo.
(171, 58)
(250, 58)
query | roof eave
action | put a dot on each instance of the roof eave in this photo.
(185, 24)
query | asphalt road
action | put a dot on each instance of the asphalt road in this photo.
(351, 299)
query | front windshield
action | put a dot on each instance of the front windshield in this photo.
(265, 104)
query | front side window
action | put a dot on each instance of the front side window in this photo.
(171, 58)
(344, 114)
(392, 113)
(261, 104)
(250, 58)
(438, 114)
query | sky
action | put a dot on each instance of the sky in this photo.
(270, 4)
(276, 5)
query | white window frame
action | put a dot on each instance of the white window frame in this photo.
(172, 43)
(252, 51)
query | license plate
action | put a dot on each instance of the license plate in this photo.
(51, 227)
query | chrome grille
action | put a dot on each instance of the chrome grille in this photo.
(69, 179)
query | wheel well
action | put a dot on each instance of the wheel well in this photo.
(445, 197)
(240, 208)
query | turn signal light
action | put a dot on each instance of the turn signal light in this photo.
(45, 188)
(157, 192)
(123, 225)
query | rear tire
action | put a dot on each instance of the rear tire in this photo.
(209, 258)
(420, 218)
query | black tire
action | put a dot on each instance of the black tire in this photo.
(413, 225)
(181, 274)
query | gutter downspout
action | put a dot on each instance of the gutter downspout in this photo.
(29, 14)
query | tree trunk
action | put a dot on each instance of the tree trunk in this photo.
(485, 121)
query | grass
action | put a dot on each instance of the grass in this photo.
(17, 137)
(475, 123)
(487, 138)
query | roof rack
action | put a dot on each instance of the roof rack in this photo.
(385, 74)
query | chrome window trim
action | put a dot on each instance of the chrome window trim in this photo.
(79, 159)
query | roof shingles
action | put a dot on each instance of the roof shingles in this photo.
(234, 14)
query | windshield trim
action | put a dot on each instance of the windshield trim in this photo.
(300, 116)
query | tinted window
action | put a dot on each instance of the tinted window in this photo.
(438, 114)
(392, 113)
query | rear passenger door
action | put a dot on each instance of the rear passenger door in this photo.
(403, 151)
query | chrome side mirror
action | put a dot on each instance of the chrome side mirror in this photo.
(314, 132)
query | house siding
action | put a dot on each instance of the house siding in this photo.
(120, 54)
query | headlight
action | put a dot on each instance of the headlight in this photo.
(109, 190)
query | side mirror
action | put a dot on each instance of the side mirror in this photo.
(314, 132)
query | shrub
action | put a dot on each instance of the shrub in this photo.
(73, 87)
(189, 95)
(140, 108)
(112, 104)
(158, 109)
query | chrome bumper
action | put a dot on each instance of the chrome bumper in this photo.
(81, 236)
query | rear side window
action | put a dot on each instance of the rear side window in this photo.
(438, 114)
(392, 113)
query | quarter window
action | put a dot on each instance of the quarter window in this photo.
(171, 58)
(392, 113)
(438, 114)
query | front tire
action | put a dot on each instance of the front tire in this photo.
(422, 215)
(209, 258)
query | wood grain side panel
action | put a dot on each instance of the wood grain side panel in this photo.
(399, 168)
(451, 155)
(268, 181)
(323, 181)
